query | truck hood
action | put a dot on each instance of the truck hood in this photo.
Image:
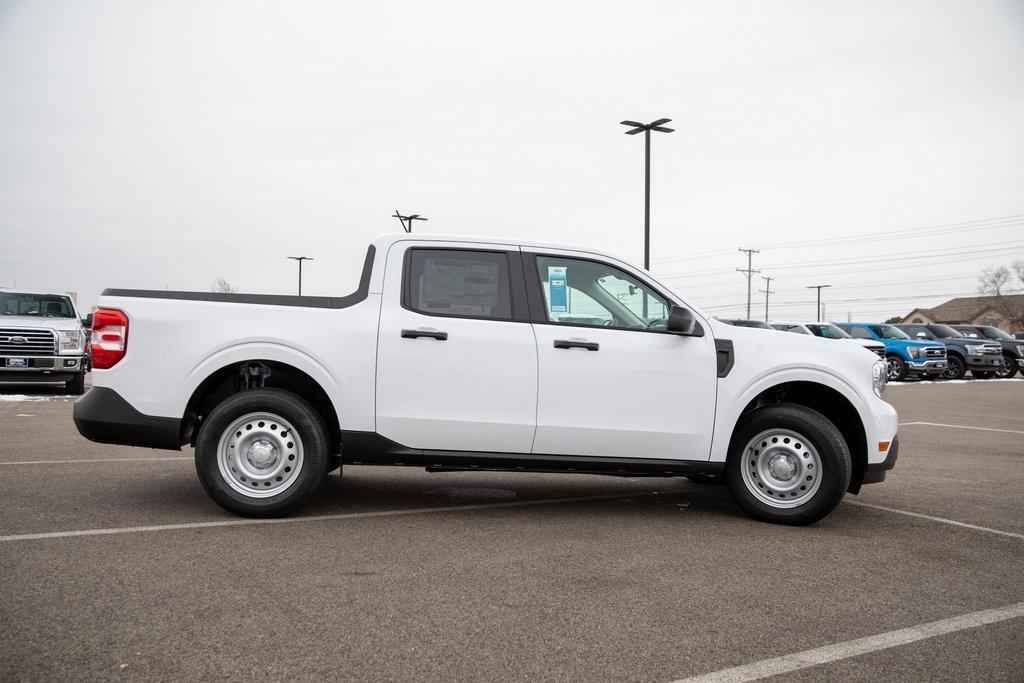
(39, 322)
(867, 343)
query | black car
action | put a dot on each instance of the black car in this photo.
(1013, 349)
(982, 357)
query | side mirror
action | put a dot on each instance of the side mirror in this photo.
(87, 321)
(682, 322)
(921, 335)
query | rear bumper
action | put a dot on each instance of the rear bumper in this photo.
(102, 415)
(875, 472)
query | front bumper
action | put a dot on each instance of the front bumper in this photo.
(983, 362)
(917, 367)
(102, 415)
(48, 368)
(875, 472)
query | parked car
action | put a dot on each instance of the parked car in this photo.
(42, 340)
(462, 354)
(1012, 348)
(982, 358)
(758, 324)
(830, 331)
(905, 357)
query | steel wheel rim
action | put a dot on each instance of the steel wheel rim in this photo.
(781, 468)
(260, 455)
(892, 368)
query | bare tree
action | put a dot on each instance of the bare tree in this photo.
(222, 286)
(993, 279)
(1018, 270)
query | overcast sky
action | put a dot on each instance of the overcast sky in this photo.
(164, 144)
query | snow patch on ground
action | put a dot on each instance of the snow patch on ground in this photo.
(954, 381)
(25, 398)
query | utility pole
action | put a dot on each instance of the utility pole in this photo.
(817, 311)
(766, 291)
(410, 218)
(749, 272)
(300, 259)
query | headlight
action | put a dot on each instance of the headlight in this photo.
(974, 350)
(914, 351)
(70, 341)
(879, 377)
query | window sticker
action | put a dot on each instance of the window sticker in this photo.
(558, 292)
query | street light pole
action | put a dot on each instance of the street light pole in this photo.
(646, 128)
(410, 218)
(819, 288)
(300, 259)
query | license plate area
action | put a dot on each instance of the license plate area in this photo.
(17, 362)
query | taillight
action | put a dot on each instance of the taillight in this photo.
(109, 337)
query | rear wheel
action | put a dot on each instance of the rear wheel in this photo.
(76, 385)
(788, 464)
(262, 453)
(1008, 368)
(955, 368)
(983, 374)
(895, 368)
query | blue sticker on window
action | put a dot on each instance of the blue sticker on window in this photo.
(558, 293)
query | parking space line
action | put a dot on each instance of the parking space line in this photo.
(853, 648)
(944, 520)
(980, 429)
(311, 518)
(69, 462)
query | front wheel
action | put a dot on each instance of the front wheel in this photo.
(788, 464)
(983, 374)
(262, 453)
(955, 368)
(895, 368)
(1009, 367)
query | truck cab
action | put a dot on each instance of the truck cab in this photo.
(904, 357)
(1012, 347)
(42, 339)
(982, 358)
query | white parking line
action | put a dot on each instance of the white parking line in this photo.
(980, 429)
(952, 522)
(69, 462)
(311, 518)
(853, 648)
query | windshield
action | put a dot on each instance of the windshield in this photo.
(41, 305)
(889, 332)
(945, 331)
(827, 331)
(994, 333)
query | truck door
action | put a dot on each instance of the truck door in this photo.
(612, 381)
(456, 356)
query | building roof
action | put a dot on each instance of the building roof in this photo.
(970, 307)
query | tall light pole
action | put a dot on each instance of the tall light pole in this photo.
(300, 259)
(410, 218)
(766, 291)
(646, 129)
(749, 272)
(818, 310)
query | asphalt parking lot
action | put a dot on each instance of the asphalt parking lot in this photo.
(114, 563)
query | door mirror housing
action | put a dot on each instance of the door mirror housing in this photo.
(921, 335)
(682, 322)
(87, 321)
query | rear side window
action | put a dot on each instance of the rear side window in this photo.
(458, 282)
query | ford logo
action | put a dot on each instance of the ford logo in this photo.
(17, 340)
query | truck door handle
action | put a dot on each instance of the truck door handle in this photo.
(413, 334)
(568, 344)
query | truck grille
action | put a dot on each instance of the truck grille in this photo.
(992, 349)
(935, 352)
(27, 342)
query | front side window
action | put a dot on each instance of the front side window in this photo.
(995, 333)
(917, 331)
(460, 283)
(827, 331)
(785, 327)
(945, 332)
(859, 333)
(578, 292)
(889, 332)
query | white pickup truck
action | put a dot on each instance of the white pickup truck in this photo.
(459, 353)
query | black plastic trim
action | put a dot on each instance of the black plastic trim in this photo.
(725, 355)
(102, 415)
(263, 299)
(370, 448)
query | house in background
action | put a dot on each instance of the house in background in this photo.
(1005, 311)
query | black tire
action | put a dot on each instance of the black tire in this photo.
(983, 374)
(815, 430)
(895, 368)
(708, 479)
(955, 367)
(1009, 368)
(76, 385)
(312, 436)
